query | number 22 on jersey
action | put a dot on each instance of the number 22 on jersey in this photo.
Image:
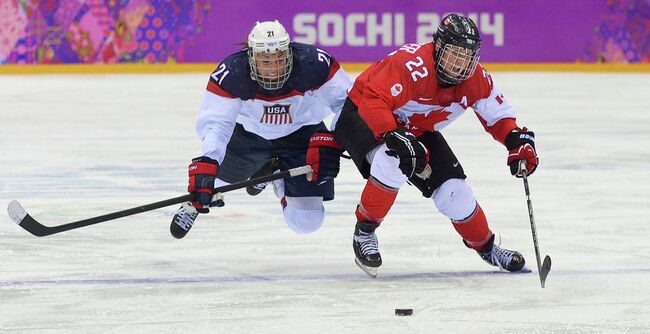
(415, 67)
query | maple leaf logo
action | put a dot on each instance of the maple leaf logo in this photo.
(428, 121)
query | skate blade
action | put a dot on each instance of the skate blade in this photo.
(523, 270)
(371, 271)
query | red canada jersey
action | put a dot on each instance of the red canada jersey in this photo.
(402, 91)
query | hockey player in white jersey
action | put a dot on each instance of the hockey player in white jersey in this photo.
(263, 110)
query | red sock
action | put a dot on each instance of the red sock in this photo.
(376, 200)
(474, 229)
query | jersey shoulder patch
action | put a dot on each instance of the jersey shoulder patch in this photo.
(232, 78)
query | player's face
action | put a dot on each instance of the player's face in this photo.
(456, 61)
(271, 65)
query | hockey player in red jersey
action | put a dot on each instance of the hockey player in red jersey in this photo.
(262, 111)
(390, 125)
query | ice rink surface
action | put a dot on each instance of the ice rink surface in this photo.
(74, 147)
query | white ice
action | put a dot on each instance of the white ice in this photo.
(78, 146)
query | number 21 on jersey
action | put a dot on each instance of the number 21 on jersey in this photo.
(220, 73)
(324, 56)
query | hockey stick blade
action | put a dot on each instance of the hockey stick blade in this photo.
(16, 212)
(545, 269)
(20, 216)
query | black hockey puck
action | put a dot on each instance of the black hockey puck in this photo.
(403, 311)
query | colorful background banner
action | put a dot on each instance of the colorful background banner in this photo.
(200, 31)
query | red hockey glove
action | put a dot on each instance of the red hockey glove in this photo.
(202, 172)
(324, 156)
(521, 146)
(413, 156)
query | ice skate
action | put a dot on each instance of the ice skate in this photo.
(500, 257)
(269, 167)
(183, 220)
(366, 248)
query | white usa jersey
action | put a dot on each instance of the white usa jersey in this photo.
(316, 87)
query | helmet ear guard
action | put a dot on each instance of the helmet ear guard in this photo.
(269, 54)
(457, 45)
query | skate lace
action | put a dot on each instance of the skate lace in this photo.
(185, 219)
(501, 257)
(367, 243)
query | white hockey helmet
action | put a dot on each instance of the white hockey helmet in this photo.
(269, 54)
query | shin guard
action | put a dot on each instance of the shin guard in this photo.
(474, 229)
(376, 200)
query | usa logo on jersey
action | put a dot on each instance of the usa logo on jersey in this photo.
(276, 114)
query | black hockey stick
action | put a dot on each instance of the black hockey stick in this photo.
(542, 268)
(24, 220)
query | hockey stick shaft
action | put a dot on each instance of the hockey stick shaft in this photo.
(24, 220)
(541, 269)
